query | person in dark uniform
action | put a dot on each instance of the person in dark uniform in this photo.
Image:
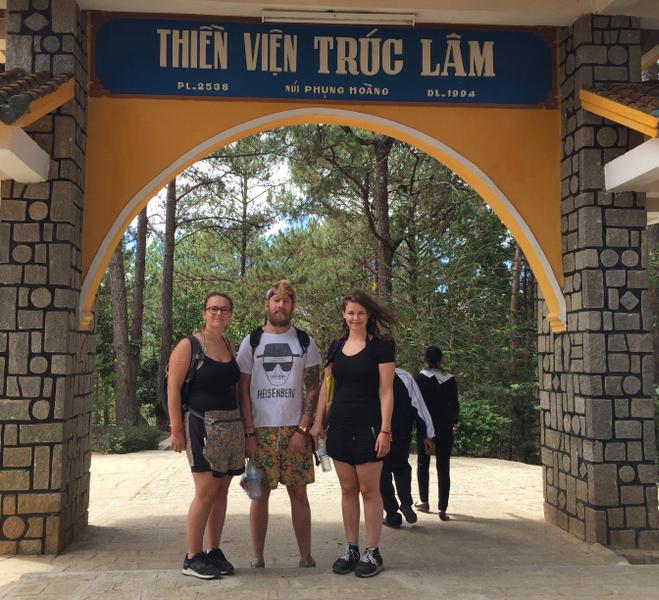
(440, 393)
(408, 408)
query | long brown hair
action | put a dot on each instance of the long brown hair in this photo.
(380, 318)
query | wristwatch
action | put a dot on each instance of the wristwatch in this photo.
(303, 430)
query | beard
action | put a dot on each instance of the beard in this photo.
(279, 318)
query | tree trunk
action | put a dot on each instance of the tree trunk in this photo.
(514, 306)
(126, 409)
(167, 285)
(138, 304)
(382, 147)
(244, 227)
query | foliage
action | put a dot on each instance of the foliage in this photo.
(243, 225)
(132, 438)
(481, 426)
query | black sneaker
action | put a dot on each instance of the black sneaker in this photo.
(369, 564)
(443, 516)
(347, 561)
(198, 566)
(409, 514)
(394, 521)
(216, 558)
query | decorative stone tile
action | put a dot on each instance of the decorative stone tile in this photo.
(629, 301)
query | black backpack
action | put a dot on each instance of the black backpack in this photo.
(196, 360)
(302, 337)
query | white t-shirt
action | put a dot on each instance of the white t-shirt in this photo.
(277, 370)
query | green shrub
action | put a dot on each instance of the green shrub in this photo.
(481, 427)
(132, 438)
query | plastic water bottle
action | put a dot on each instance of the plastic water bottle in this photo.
(324, 459)
(251, 482)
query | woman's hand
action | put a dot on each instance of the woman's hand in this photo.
(382, 444)
(316, 432)
(178, 440)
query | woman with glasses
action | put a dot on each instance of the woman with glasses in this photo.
(206, 422)
(359, 424)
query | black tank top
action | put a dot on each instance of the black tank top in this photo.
(214, 386)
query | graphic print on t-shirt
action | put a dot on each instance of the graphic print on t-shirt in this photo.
(277, 363)
(276, 369)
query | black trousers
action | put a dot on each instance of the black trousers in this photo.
(396, 464)
(443, 445)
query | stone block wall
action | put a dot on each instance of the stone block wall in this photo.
(596, 380)
(46, 363)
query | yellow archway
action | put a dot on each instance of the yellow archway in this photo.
(509, 156)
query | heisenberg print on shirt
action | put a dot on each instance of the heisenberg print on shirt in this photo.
(276, 368)
(277, 364)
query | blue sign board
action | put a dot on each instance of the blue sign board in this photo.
(227, 58)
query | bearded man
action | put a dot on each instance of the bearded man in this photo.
(279, 383)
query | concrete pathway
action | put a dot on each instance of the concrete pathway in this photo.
(496, 545)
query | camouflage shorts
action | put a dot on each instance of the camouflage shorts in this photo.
(277, 463)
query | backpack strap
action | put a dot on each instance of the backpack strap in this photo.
(338, 344)
(303, 339)
(255, 339)
(197, 355)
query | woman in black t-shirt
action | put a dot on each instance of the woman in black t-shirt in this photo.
(359, 424)
(210, 430)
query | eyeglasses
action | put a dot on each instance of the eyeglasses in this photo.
(284, 366)
(225, 310)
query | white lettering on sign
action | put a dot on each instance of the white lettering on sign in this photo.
(358, 56)
(203, 48)
(274, 51)
(480, 57)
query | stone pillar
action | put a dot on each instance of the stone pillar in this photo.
(46, 363)
(596, 380)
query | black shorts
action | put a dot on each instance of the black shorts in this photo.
(354, 445)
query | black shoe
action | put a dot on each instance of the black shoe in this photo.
(198, 566)
(394, 521)
(443, 516)
(369, 564)
(216, 558)
(347, 561)
(409, 514)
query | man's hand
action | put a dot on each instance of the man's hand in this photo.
(427, 445)
(456, 427)
(250, 446)
(297, 443)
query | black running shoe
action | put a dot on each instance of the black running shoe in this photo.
(347, 561)
(198, 566)
(216, 558)
(394, 521)
(369, 564)
(408, 513)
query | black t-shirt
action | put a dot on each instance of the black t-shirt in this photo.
(357, 383)
(214, 386)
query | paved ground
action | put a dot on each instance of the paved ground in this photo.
(496, 547)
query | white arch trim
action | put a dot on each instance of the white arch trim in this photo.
(267, 122)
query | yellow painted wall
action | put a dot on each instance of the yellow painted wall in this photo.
(132, 142)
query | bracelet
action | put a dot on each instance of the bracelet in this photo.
(250, 434)
(176, 429)
(386, 433)
(303, 430)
